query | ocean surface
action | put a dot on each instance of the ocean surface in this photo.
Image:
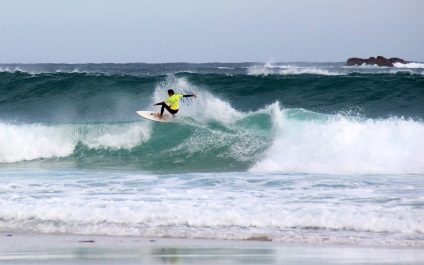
(313, 153)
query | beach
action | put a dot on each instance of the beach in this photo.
(79, 249)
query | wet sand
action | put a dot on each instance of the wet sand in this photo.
(80, 249)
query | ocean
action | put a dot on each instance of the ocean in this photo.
(314, 153)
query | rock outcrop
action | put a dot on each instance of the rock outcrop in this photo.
(379, 60)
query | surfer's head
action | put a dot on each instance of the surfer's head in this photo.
(170, 92)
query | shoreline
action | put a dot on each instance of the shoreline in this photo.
(36, 248)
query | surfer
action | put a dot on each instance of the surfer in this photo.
(172, 103)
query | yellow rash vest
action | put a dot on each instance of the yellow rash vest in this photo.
(174, 101)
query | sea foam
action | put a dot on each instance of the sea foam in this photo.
(270, 69)
(312, 209)
(409, 65)
(344, 145)
(20, 142)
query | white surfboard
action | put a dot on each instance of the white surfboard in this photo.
(154, 116)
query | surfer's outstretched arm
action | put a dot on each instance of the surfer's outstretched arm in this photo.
(189, 95)
(160, 103)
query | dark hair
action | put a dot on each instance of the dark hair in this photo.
(170, 91)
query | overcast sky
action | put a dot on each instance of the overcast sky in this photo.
(82, 31)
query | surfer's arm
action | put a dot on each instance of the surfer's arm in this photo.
(189, 95)
(160, 103)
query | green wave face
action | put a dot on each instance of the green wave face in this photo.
(239, 121)
(176, 147)
(179, 146)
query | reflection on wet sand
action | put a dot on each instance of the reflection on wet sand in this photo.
(79, 249)
(214, 255)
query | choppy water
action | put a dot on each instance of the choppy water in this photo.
(318, 153)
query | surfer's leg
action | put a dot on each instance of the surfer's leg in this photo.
(164, 106)
(162, 109)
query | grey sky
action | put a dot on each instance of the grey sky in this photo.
(81, 31)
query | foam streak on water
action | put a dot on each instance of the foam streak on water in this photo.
(372, 210)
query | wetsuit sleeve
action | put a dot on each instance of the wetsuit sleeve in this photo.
(188, 95)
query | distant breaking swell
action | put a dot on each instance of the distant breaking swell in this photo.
(271, 139)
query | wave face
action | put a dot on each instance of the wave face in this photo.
(308, 122)
(269, 140)
(307, 152)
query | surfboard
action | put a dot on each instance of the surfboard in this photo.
(154, 116)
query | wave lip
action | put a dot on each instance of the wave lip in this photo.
(11, 69)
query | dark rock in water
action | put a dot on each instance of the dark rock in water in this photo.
(397, 60)
(355, 61)
(379, 61)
